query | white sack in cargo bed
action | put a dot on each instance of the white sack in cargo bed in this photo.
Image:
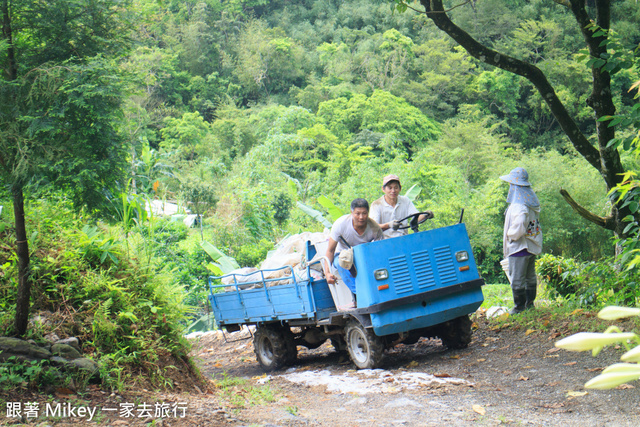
(290, 251)
(243, 276)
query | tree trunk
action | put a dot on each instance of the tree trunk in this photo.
(23, 295)
(22, 250)
(605, 160)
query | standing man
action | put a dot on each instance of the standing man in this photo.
(389, 209)
(522, 238)
(349, 231)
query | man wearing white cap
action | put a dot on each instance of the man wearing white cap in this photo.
(392, 207)
(522, 238)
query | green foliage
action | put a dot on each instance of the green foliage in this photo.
(381, 112)
(131, 211)
(97, 248)
(27, 374)
(602, 282)
(66, 120)
(186, 135)
(496, 295)
(252, 255)
(281, 204)
(200, 196)
(558, 273)
(315, 214)
(334, 211)
(592, 283)
(223, 263)
(130, 313)
(271, 104)
(240, 394)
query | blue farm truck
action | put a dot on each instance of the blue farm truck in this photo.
(423, 284)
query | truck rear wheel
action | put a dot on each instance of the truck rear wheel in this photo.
(456, 333)
(290, 344)
(273, 348)
(365, 348)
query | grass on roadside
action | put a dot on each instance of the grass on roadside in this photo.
(239, 393)
(562, 314)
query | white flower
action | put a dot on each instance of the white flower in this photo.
(619, 368)
(611, 380)
(615, 312)
(632, 355)
(584, 341)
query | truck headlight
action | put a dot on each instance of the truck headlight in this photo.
(462, 256)
(381, 274)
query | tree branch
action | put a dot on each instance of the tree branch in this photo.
(607, 222)
(435, 10)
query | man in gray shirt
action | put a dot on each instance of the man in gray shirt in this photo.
(349, 231)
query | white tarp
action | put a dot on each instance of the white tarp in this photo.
(163, 208)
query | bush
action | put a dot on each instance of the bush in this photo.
(128, 310)
(559, 273)
(250, 255)
(590, 283)
(602, 282)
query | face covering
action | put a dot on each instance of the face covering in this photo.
(523, 196)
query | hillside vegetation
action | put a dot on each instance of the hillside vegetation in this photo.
(241, 110)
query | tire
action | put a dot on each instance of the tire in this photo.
(456, 333)
(365, 348)
(272, 347)
(290, 344)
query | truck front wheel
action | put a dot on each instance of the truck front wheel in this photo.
(365, 348)
(456, 333)
(272, 347)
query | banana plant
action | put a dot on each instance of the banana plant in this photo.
(315, 214)
(223, 264)
(334, 211)
(413, 192)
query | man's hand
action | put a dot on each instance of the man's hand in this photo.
(331, 278)
(429, 214)
(395, 225)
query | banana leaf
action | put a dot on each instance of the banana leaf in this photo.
(317, 215)
(334, 211)
(413, 192)
(222, 264)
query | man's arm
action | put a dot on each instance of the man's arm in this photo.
(376, 215)
(331, 250)
(386, 226)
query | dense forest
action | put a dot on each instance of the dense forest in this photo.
(245, 110)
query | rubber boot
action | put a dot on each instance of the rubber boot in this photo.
(531, 296)
(520, 300)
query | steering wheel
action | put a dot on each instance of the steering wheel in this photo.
(414, 222)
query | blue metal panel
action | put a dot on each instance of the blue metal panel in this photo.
(422, 314)
(323, 299)
(302, 300)
(424, 273)
(418, 263)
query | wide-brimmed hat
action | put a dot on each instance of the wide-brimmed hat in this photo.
(518, 176)
(387, 179)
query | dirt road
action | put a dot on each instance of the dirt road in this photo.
(507, 376)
